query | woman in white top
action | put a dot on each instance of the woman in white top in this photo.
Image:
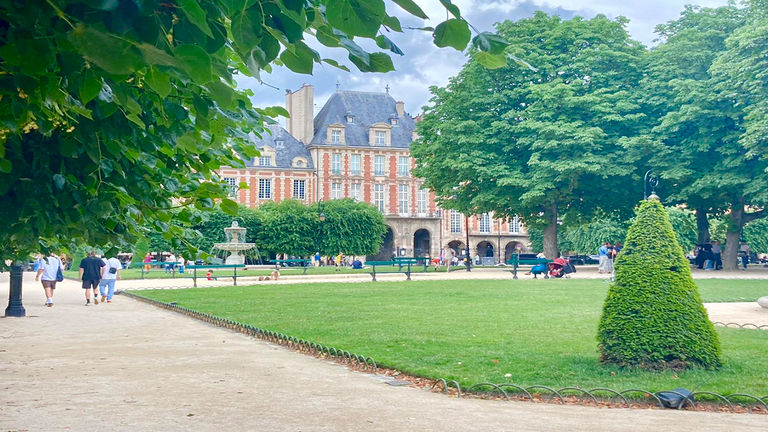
(49, 268)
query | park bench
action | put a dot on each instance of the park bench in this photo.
(400, 263)
(422, 261)
(304, 263)
(205, 268)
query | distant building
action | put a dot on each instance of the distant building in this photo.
(358, 146)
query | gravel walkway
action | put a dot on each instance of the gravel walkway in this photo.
(129, 366)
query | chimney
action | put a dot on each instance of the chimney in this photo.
(300, 106)
(400, 106)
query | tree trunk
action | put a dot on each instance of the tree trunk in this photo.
(550, 234)
(732, 236)
(702, 225)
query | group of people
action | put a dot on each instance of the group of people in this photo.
(98, 274)
(172, 263)
(709, 256)
(606, 255)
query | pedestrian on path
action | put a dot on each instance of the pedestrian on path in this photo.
(603, 257)
(91, 271)
(180, 263)
(110, 273)
(147, 262)
(48, 274)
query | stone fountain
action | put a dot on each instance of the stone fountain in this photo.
(235, 234)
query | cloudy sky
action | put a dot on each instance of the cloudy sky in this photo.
(425, 65)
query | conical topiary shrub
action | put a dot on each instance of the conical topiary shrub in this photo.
(653, 316)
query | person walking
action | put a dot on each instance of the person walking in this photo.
(48, 273)
(602, 254)
(110, 274)
(744, 252)
(91, 271)
(170, 264)
(180, 261)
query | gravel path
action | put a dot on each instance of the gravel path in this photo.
(129, 366)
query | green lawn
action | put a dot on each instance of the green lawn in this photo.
(155, 273)
(539, 331)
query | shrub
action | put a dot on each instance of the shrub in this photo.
(653, 316)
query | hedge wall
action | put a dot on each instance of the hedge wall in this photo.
(653, 316)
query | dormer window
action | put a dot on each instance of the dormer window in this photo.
(335, 136)
(379, 135)
(265, 161)
(380, 138)
(393, 120)
(349, 117)
(279, 143)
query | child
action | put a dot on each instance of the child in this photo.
(209, 275)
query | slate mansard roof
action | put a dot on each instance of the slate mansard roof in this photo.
(367, 109)
(284, 156)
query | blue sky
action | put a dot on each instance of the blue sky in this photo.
(424, 65)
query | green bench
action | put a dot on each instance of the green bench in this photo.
(400, 263)
(304, 263)
(204, 268)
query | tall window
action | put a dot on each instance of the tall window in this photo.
(485, 223)
(299, 189)
(421, 201)
(354, 164)
(403, 198)
(336, 163)
(335, 190)
(378, 196)
(232, 183)
(265, 161)
(378, 165)
(335, 136)
(354, 191)
(455, 221)
(514, 225)
(380, 138)
(403, 164)
(265, 188)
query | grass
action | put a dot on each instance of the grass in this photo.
(540, 332)
(155, 273)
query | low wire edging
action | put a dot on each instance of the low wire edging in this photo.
(546, 394)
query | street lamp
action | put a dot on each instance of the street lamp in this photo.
(469, 264)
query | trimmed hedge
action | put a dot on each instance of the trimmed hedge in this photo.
(653, 316)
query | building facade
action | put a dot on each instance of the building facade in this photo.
(358, 146)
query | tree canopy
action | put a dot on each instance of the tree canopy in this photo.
(538, 142)
(114, 112)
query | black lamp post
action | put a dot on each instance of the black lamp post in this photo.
(469, 264)
(15, 307)
(651, 180)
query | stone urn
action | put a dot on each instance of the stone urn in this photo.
(763, 302)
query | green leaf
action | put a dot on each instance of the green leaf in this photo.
(107, 51)
(336, 64)
(356, 17)
(326, 37)
(299, 58)
(411, 7)
(452, 8)
(90, 86)
(392, 23)
(381, 62)
(489, 60)
(221, 93)
(246, 28)
(385, 43)
(490, 43)
(229, 206)
(453, 33)
(5, 166)
(196, 15)
(155, 56)
(195, 62)
(135, 119)
(159, 81)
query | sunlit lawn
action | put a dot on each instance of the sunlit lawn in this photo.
(539, 331)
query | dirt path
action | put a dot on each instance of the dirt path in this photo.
(128, 366)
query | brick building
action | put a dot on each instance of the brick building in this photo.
(358, 146)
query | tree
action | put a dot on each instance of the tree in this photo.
(540, 143)
(290, 227)
(114, 112)
(701, 142)
(350, 227)
(653, 316)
